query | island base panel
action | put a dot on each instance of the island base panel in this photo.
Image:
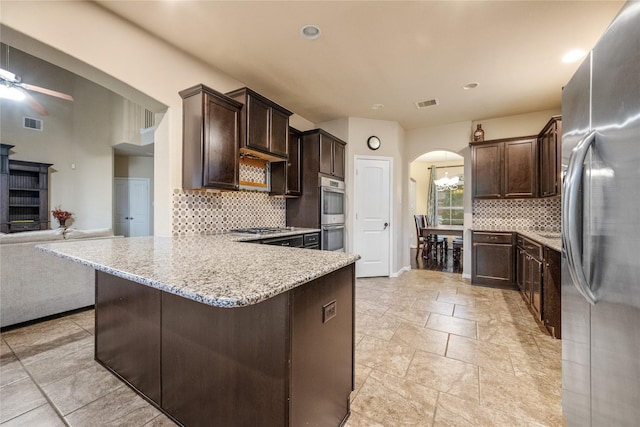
(322, 349)
(225, 366)
(286, 361)
(127, 337)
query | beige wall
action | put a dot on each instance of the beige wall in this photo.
(511, 126)
(419, 172)
(75, 139)
(122, 57)
(98, 45)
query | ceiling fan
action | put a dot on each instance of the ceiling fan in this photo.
(12, 87)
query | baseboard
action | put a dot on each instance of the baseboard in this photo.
(466, 276)
(399, 272)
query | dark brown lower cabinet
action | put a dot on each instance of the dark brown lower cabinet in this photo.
(128, 332)
(539, 278)
(552, 297)
(493, 258)
(530, 273)
(287, 361)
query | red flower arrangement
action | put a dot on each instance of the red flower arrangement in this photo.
(60, 215)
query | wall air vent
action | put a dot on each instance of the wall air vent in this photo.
(31, 123)
(427, 103)
(149, 119)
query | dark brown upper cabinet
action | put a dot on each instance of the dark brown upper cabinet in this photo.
(521, 168)
(487, 170)
(264, 126)
(286, 176)
(505, 168)
(210, 139)
(550, 145)
(331, 152)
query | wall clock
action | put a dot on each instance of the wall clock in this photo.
(373, 142)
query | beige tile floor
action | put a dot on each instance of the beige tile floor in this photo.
(431, 350)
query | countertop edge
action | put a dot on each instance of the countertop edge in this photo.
(552, 243)
(217, 301)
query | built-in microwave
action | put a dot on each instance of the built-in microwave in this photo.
(332, 237)
(331, 201)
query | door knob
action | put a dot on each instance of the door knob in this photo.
(386, 224)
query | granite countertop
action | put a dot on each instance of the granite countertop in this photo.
(551, 239)
(217, 270)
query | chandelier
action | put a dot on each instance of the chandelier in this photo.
(445, 183)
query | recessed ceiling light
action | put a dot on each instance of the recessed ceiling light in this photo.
(573, 56)
(471, 85)
(310, 32)
(377, 106)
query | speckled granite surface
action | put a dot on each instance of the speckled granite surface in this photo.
(215, 270)
(546, 238)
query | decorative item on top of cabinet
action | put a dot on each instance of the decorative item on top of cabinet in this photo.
(550, 143)
(210, 135)
(286, 176)
(492, 258)
(478, 134)
(24, 189)
(264, 125)
(505, 168)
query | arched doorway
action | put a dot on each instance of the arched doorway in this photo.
(437, 191)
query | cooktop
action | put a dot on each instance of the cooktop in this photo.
(261, 230)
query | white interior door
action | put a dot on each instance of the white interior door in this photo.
(372, 193)
(132, 207)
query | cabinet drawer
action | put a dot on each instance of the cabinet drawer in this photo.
(311, 239)
(294, 242)
(497, 238)
(23, 226)
(530, 247)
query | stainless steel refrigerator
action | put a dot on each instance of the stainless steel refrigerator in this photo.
(601, 231)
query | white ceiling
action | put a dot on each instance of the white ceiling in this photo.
(389, 52)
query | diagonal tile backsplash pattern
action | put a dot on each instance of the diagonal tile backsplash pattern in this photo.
(202, 212)
(518, 214)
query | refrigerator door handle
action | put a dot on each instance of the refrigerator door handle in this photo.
(571, 236)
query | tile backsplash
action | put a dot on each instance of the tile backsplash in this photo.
(202, 212)
(524, 214)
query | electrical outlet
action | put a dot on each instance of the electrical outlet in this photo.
(329, 311)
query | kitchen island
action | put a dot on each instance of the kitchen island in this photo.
(214, 331)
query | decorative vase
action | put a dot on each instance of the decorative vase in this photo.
(478, 135)
(62, 223)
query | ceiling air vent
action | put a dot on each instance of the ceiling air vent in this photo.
(31, 123)
(427, 103)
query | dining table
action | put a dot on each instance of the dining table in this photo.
(443, 230)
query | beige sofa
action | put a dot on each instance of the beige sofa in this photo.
(34, 284)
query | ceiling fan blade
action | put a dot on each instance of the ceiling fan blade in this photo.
(8, 75)
(34, 104)
(47, 91)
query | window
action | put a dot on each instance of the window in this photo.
(449, 196)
